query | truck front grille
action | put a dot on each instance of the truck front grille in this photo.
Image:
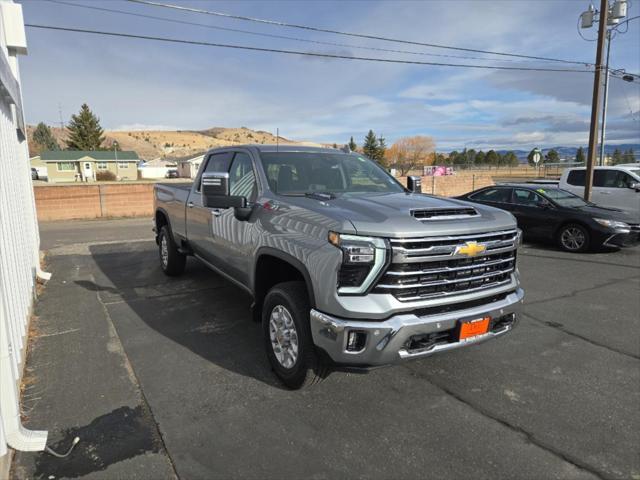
(432, 267)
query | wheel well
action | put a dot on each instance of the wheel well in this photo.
(571, 222)
(271, 270)
(161, 220)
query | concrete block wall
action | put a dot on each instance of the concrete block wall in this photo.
(453, 185)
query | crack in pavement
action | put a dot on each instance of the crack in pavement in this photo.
(583, 290)
(560, 327)
(136, 381)
(530, 437)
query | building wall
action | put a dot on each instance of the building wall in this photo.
(55, 176)
(453, 185)
(86, 201)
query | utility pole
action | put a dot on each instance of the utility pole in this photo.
(60, 115)
(595, 104)
(606, 96)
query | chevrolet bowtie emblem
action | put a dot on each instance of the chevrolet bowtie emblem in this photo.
(470, 249)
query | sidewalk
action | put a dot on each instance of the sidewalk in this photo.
(78, 382)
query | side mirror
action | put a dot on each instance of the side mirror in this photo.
(414, 184)
(215, 192)
(635, 186)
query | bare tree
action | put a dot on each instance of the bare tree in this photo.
(408, 153)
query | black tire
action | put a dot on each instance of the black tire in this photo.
(173, 262)
(307, 369)
(574, 238)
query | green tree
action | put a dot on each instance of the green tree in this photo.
(335, 145)
(353, 146)
(381, 149)
(628, 156)
(551, 157)
(580, 155)
(480, 158)
(44, 139)
(370, 145)
(617, 156)
(492, 158)
(510, 159)
(85, 132)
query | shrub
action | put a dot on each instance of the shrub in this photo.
(105, 176)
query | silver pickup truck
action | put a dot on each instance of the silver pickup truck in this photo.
(347, 268)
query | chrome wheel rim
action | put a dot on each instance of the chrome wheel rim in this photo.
(573, 238)
(164, 251)
(283, 336)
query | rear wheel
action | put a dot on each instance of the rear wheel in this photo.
(171, 260)
(574, 238)
(287, 336)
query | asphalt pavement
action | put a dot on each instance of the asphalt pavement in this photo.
(167, 377)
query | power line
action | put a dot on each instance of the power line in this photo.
(349, 34)
(296, 52)
(270, 35)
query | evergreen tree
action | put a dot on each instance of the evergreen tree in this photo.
(353, 146)
(580, 155)
(480, 158)
(382, 147)
(335, 145)
(491, 158)
(617, 156)
(510, 159)
(44, 139)
(370, 146)
(551, 156)
(85, 132)
(628, 156)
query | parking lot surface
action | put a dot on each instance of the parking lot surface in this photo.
(167, 377)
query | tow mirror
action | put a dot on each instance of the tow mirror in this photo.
(414, 184)
(215, 192)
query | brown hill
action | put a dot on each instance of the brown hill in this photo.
(150, 144)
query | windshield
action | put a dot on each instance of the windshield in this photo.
(300, 173)
(635, 171)
(562, 197)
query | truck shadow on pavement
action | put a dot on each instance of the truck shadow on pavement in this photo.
(199, 310)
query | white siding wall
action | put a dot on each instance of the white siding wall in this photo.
(19, 251)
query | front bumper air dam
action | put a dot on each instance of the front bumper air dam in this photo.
(386, 341)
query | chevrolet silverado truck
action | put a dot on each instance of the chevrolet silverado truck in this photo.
(348, 269)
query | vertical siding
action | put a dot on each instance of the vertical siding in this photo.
(19, 245)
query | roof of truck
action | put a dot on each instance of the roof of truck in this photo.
(284, 148)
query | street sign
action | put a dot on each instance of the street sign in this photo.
(536, 156)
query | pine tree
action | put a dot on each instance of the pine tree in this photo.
(44, 139)
(628, 156)
(551, 156)
(580, 155)
(617, 156)
(85, 132)
(370, 146)
(353, 146)
(382, 147)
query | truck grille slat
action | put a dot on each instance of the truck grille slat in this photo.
(425, 268)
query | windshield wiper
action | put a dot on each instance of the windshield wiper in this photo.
(320, 195)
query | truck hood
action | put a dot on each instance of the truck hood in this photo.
(389, 214)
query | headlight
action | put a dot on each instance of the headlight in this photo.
(611, 223)
(362, 260)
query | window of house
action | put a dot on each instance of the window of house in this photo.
(123, 164)
(66, 166)
(101, 165)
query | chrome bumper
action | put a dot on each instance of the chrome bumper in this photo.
(387, 341)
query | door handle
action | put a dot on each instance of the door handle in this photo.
(191, 204)
(216, 212)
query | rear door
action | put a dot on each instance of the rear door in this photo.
(494, 196)
(199, 218)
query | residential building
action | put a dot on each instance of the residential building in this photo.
(156, 168)
(189, 168)
(85, 166)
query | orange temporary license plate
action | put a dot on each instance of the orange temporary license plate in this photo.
(474, 327)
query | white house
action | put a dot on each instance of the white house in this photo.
(189, 168)
(156, 168)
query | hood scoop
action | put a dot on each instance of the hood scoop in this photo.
(443, 213)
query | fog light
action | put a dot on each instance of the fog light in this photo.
(356, 341)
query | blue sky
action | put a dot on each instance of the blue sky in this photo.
(141, 84)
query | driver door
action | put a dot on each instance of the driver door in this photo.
(536, 216)
(232, 239)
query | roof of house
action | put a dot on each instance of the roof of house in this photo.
(191, 160)
(101, 155)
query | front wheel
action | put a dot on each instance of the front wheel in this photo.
(574, 238)
(287, 336)
(171, 260)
